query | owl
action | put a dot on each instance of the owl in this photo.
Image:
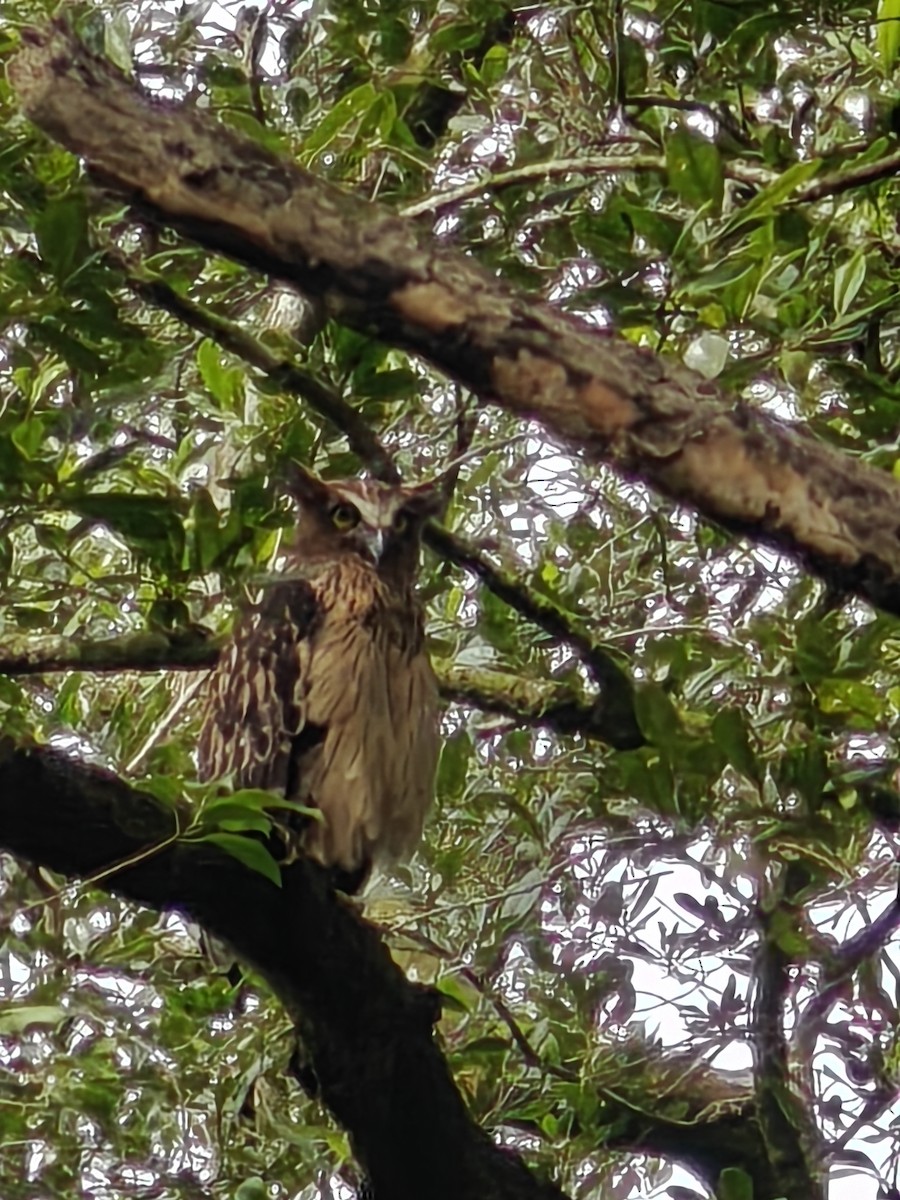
(325, 694)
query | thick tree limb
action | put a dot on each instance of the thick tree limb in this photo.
(647, 416)
(131, 652)
(367, 1030)
(540, 703)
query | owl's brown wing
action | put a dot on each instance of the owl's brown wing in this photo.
(255, 724)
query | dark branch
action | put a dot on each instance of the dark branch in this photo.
(617, 702)
(849, 177)
(783, 1118)
(325, 400)
(840, 965)
(367, 1031)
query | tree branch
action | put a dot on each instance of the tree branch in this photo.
(367, 1030)
(840, 965)
(615, 706)
(295, 380)
(647, 416)
(847, 178)
(541, 703)
(783, 1116)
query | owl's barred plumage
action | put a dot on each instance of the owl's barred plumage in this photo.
(326, 694)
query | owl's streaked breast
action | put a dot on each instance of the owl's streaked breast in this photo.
(372, 689)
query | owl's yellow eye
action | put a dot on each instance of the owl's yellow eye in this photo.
(344, 516)
(401, 522)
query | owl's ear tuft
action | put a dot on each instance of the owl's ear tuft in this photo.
(426, 500)
(304, 486)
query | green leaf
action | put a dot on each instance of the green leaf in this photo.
(236, 818)
(456, 755)
(149, 525)
(848, 279)
(380, 118)
(347, 110)
(252, 1189)
(222, 382)
(787, 935)
(768, 201)
(494, 65)
(260, 799)
(646, 778)
(695, 169)
(455, 36)
(887, 34)
(486, 1046)
(261, 134)
(17, 1018)
(62, 234)
(32, 617)
(28, 436)
(455, 994)
(248, 851)
(729, 730)
(657, 716)
(208, 536)
(117, 41)
(734, 1184)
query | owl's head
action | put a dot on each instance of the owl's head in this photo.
(378, 522)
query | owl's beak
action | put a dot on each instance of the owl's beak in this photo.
(373, 543)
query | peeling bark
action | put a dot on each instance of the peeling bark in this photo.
(647, 416)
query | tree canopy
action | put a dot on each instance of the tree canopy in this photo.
(626, 275)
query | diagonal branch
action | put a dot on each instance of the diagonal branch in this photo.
(648, 416)
(838, 969)
(295, 380)
(617, 701)
(615, 708)
(368, 1031)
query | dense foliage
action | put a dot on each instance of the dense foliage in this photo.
(621, 933)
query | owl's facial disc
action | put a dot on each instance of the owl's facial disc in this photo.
(371, 517)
